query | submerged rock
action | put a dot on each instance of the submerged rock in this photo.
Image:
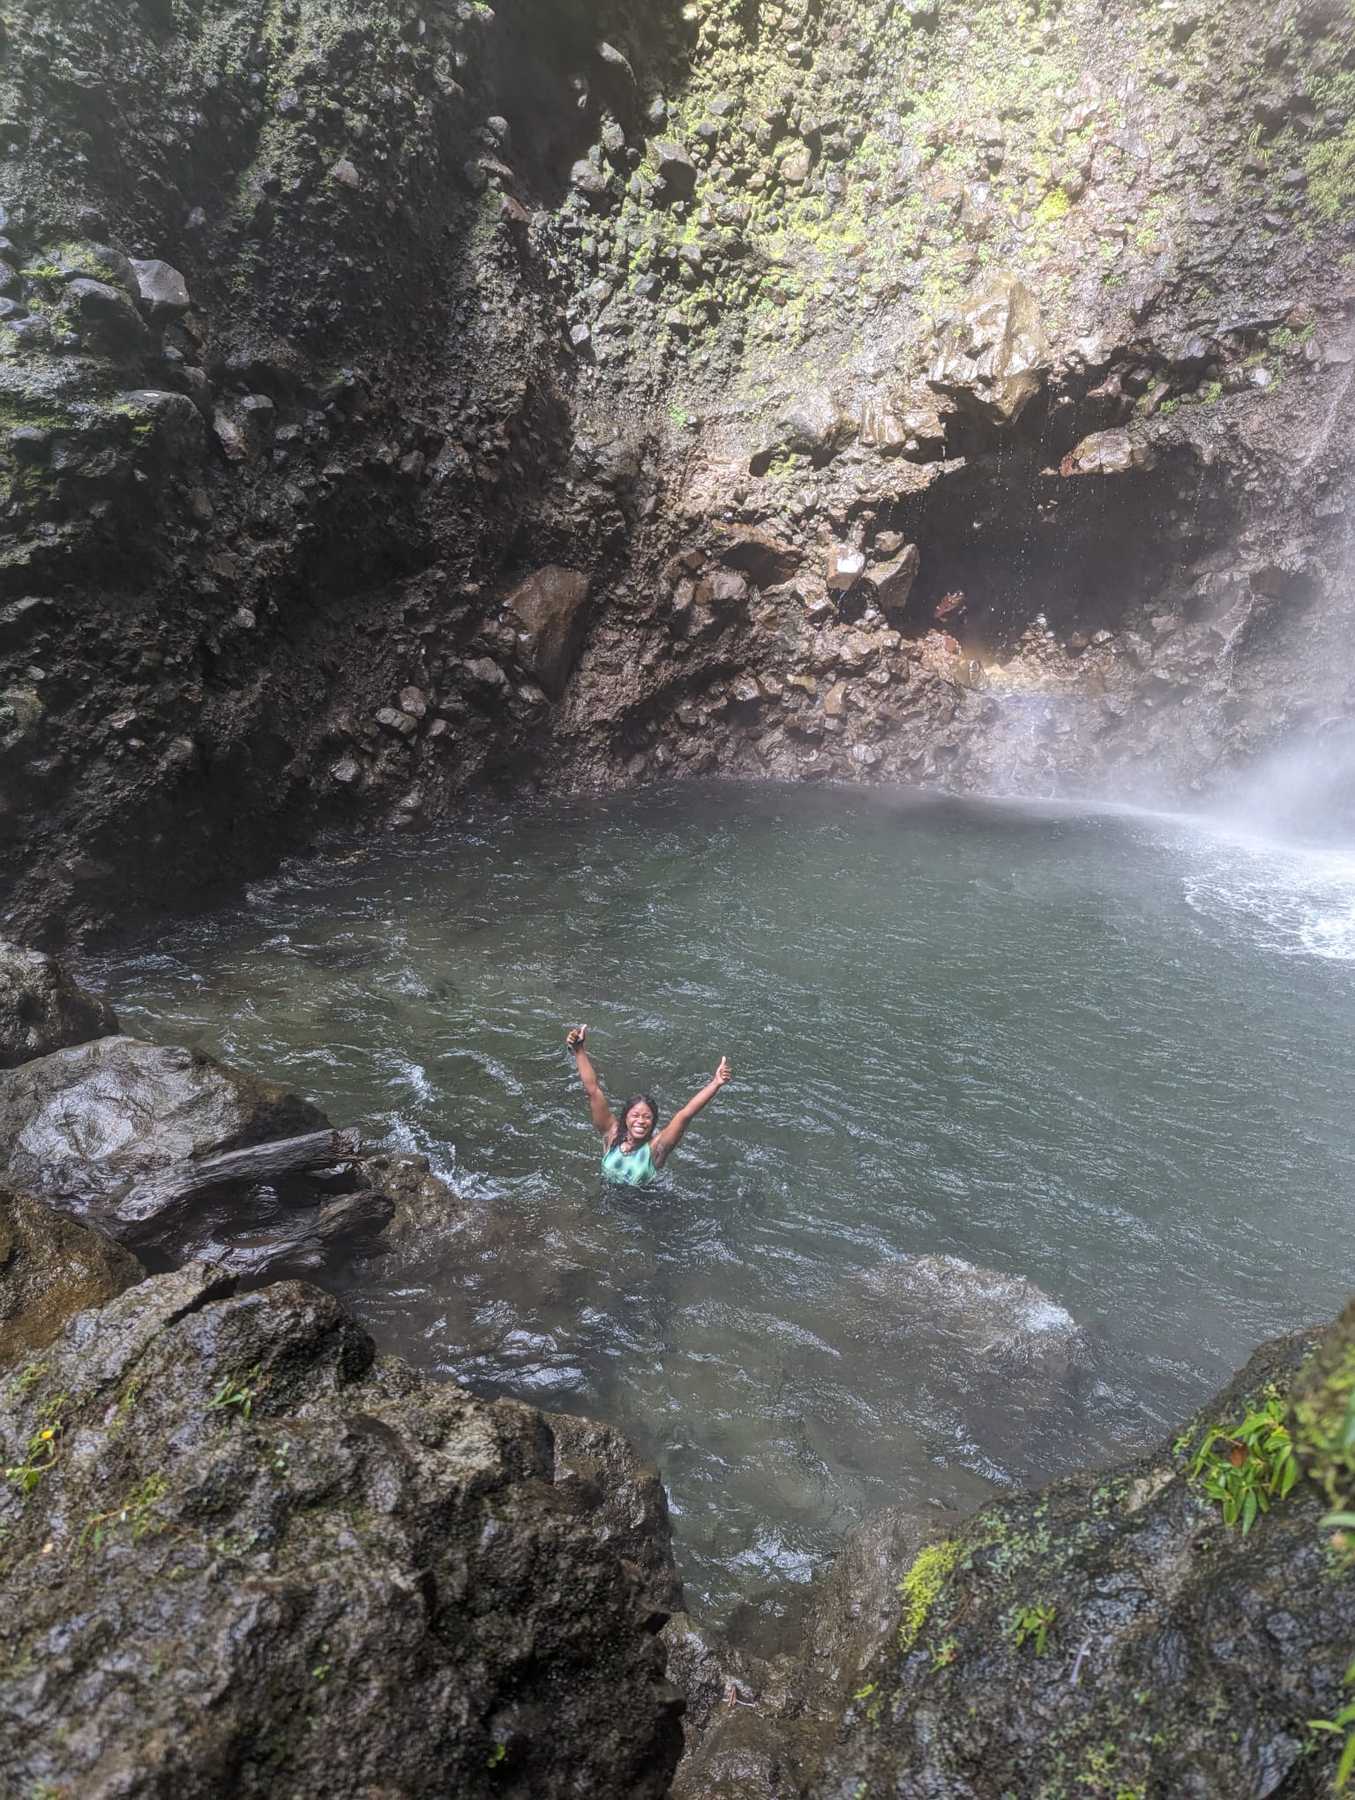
(992, 1355)
(42, 1009)
(249, 1558)
(1003, 1324)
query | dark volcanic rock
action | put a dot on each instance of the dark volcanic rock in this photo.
(1180, 1657)
(42, 1009)
(305, 1240)
(50, 1267)
(162, 290)
(379, 332)
(551, 606)
(598, 1467)
(247, 1559)
(83, 1126)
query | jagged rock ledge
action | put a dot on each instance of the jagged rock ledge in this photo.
(242, 1554)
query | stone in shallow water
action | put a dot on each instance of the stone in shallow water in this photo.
(42, 1009)
(1004, 1323)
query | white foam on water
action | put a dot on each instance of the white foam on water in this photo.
(1044, 1315)
(1291, 900)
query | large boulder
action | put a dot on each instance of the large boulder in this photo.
(244, 1557)
(42, 1009)
(50, 1268)
(1109, 1634)
(86, 1125)
(992, 355)
(1111, 1630)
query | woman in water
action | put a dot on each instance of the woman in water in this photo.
(633, 1152)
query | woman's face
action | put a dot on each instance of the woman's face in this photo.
(639, 1123)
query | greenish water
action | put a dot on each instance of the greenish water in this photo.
(1111, 1053)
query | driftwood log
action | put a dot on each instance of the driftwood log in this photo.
(253, 1166)
(304, 1243)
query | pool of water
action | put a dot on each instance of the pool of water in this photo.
(1109, 1052)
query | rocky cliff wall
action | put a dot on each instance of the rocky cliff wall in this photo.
(399, 398)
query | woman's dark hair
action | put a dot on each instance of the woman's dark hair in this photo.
(619, 1134)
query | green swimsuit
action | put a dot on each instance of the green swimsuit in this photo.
(629, 1168)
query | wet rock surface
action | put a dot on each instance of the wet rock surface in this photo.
(597, 1467)
(247, 1557)
(1136, 1575)
(50, 1268)
(42, 1009)
(85, 1125)
(183, 1159)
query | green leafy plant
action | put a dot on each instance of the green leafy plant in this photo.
(1343, 1722)
(1034, 1623)
(26, 1380)
(239, 1394)
(43, 1450)
(1245, 1467)
(134, 1512)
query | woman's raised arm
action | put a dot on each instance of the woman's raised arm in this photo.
(667, 1140)
(597, 1100)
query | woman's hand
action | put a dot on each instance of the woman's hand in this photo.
(575, 1036)
(723, 1073)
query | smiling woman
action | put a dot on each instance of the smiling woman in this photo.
(634, 1154)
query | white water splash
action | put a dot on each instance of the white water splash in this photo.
(1291, 901)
